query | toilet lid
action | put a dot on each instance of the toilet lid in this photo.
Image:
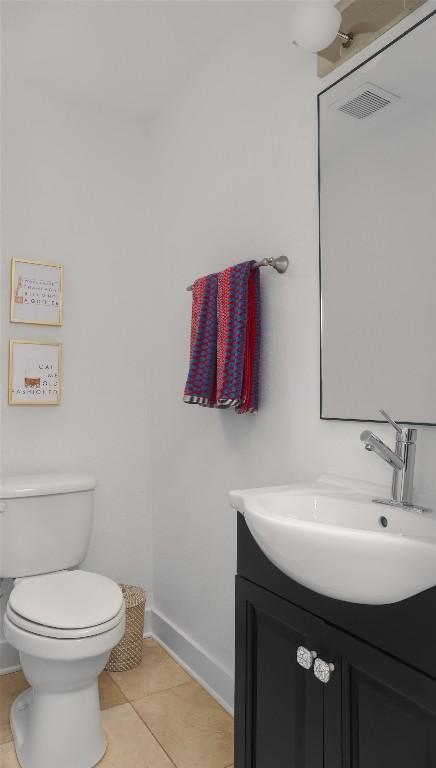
(67, 600)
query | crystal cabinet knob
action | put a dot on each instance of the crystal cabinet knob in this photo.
(322, 670)
(305, 657)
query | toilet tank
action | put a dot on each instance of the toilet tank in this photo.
(45, 522)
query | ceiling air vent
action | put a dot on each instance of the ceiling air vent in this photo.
(365, 101)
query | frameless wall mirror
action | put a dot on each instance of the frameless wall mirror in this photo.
(377, 154)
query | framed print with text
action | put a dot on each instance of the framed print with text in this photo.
(36, 292)
(34, 372)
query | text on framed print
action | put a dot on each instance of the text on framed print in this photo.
(34, 372)
(36, 292)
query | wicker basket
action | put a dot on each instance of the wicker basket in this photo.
(128, 653)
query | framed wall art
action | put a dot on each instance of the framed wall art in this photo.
(34, 372)
(36, 292)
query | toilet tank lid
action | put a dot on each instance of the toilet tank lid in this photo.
(20, 486)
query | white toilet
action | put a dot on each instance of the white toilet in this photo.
(63, 622)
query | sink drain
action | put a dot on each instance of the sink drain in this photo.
(383, 521)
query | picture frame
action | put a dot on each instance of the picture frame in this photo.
(37, 292)
(35, 372)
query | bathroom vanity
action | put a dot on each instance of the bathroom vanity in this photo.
(375, 707)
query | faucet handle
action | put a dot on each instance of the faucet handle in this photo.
(391, 421)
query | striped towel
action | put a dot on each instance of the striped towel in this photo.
(238, 337)
(225, 340)
(201, 383)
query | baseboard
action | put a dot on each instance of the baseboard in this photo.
(147, 623)
(197, 662)
(9, 658)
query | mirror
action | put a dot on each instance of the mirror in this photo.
(377, 155)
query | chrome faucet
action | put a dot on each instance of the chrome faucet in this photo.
(402, 460)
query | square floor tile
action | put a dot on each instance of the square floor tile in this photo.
(10, 686)
(110, 694)
(191, 727)
(131, 745)
(157, 672)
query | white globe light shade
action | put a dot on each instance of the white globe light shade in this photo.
(315, 24)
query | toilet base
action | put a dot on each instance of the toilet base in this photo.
(58, 730)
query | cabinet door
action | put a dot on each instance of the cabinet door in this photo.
(379, 713)
(278, 704)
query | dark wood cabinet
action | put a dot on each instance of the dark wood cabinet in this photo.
(376, 711)
(278, 704)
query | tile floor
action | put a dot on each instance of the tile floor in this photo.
(155, 716)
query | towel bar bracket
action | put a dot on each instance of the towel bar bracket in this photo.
(280, 264)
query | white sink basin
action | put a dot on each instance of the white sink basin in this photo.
(332, 540)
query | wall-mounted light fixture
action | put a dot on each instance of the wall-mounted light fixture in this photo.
(316, 23)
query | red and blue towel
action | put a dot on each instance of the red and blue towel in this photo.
(201, 383)
(225, 340)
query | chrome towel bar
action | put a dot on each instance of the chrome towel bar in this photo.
(280, 264)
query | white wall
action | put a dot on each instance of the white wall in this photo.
(235, 177)
(73, 183)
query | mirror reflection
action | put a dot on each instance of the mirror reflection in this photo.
(377, 230)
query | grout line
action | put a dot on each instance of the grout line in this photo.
(163, 690)
(153, 735)
(179, 685)
(118, 688)
(152, 693)
(195, 677)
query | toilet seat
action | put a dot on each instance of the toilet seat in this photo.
(70, 650)
(66, 604)
(62, 634)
